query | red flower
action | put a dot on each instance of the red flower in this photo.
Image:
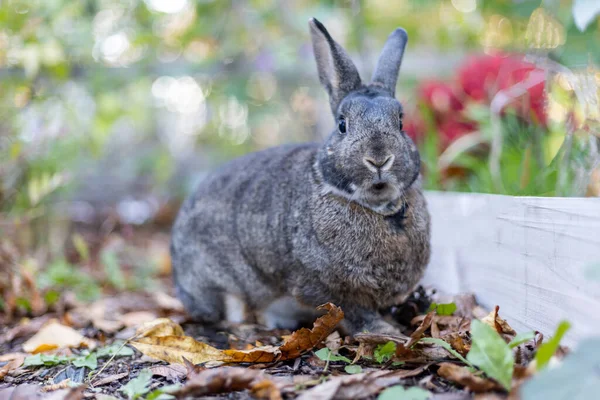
(451, 129)
(482, 77)
(440, 97)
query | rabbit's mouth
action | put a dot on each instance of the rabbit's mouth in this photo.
(381, 197)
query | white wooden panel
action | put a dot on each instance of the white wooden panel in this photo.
(526, 254)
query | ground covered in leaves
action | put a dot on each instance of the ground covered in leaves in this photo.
(140, 345)
(121, 334)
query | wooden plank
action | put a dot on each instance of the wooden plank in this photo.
(532, 256)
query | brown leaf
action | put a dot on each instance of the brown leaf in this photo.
(458, 342)
(163, 339)
(110, 379)
(464, 377)
(54, 335)
(305, 339)
(435, 330)
(25, 328)
(57, 386)
(418, 333)
(159, 327)
(173, 372)
(500, 325)
(172, 349)
(378, 338)
(226, 380)
(359, 386)
(15, 360)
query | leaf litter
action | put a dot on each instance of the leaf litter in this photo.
(444, 348)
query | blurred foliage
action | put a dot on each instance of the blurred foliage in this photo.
(110, 109)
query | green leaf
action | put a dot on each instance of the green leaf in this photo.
(90, 361)
(490, 353)
(399, 393)
(443, 309)
(448, 348)
(576, 377)
(116, 349)
(45, 360)
(327, 355)
(547, 350)
(521, 338)
(353, 369)
(384, 352)
(138, 386)
(163, 393)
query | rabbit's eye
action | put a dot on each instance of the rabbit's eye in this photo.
(342, 125)
(401, 126)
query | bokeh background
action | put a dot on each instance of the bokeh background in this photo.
(111, 111)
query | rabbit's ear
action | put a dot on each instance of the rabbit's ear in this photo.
(337, 72)
(388, 65)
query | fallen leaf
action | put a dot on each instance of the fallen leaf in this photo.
(159, 327)
(305, 339)
(446, 346)
(499, 325)
(15, 360)
(418, 333)
(378, 338)
(226, 380)
(25, 328)
(163, 339)
(136, 318)
(173, 372)
(57, 386)
(359, 386)
(458, 342)
(110, 379)
(464, 377)
(54, 335)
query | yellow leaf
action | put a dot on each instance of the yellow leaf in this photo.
(54, 335)
(164, 340)
(159, 327)
(172, 349)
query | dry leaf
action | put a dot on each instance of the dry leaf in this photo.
(305, 339)
(159, 327)
(418, 333)
(173, 372)
(135, 318)
(435, 330)
(359, 386)
(464, 377)
(54, 335)
(226, 380)
(500, 325)
(15, 360)
(458, 342)
(378, 338)
(163, 339)
(57, 386)
(110, 379)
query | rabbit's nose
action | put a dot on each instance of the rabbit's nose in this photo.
(379, 163)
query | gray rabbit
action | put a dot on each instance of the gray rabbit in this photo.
(343, 221)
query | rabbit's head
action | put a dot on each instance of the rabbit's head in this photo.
(368, 158)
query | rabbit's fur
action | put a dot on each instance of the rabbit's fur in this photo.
(343, 221)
